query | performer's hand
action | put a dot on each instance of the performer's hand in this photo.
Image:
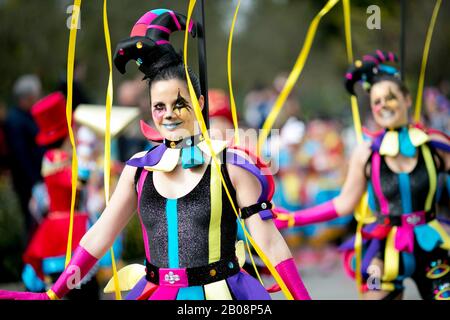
(320, 213)
(282, 218)
(17, 295)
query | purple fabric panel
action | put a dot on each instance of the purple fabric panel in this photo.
(350, 243)
(440, 145)
(245, 287)
(137, 290)
(266, 214)
(376, 143)
(370, 253)
(243, 163)
(150, 159)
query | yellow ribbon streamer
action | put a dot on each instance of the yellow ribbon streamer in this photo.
(423, 67)
(391, 257)
(348, 30)
(356, 119)
(107, 158)
(235, 120)
(432, 174)
(361, 211)
(201, 121)
(230, 84)
(293, 76)
(70, 67)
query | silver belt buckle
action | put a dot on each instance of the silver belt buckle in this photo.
(413, 219)
(171, 277)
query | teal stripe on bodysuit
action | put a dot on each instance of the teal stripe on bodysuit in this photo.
(172, 228)
(405, 192)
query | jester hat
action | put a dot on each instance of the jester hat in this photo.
(372, 66)
(149, 41)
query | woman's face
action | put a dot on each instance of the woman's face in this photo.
(172, 110)
(389, 105)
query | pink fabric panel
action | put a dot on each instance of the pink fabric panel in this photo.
(191, 25)
(160, 42)
(147, 18)
(376, 180)
(175, 19)
(162, 28)
(404, 238)
(138, 30)
(165, 293)
(144, 230)
(381, 55)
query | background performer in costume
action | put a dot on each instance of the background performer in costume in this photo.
(45, 255)
(399, 168)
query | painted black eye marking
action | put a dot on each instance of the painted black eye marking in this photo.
(181, 103)
(159, 107)
(391, 96)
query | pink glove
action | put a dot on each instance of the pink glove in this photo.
(291, 277)
(82, 261)
(322, 212)
(15, 295)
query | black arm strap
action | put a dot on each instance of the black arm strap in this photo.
(255, 208)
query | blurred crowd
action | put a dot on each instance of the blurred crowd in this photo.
(308, 156)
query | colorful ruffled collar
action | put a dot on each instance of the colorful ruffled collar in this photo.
(189, 151)
(403, 140)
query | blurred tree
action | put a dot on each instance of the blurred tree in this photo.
(269, 35)
(11, 231)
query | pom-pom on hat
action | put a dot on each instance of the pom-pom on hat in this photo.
(149, 43)
(371, 66)
(49, 113)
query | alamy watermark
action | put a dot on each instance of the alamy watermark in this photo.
(74, 16)
(374, 280)
(248, 140)
(374, 20)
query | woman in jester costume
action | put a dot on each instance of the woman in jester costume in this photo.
(399, 168)
(188, 225)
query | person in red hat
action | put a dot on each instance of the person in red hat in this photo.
(220, 114)
(44, 257)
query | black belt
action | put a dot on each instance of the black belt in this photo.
(396, 220)
(196, 276)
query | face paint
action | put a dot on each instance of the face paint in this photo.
(391, 100)
(388, 105)
(377, 105)
(181, 104)
(158, 112)
(171, 110)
